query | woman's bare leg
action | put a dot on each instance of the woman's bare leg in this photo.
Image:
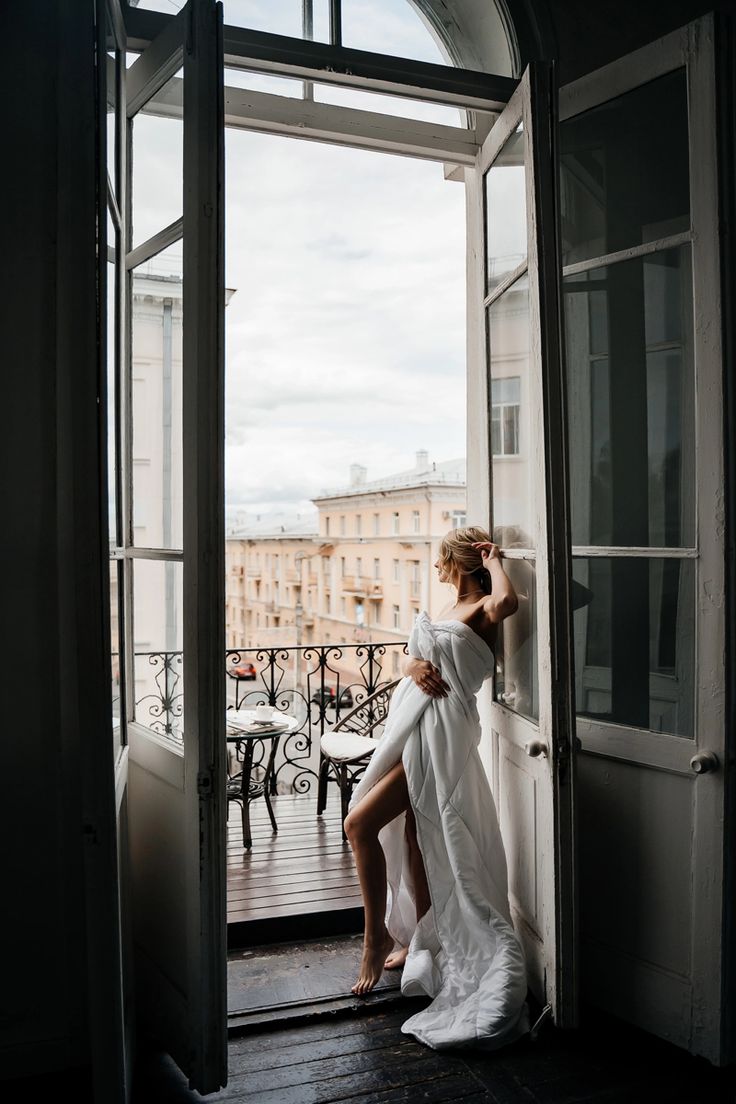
(421, 889)
(386, 800)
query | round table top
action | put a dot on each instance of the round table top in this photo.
(277, 726)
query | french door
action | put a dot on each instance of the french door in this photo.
(167, 543)
(515, 440)
(644, 368)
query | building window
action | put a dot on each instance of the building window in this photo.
(342, 567)
(395, 523)
(358, 525)
(505, 397)
(459, 519)
(397, 617)
(414, 613)
(394, 663)
(376, 525)
(397, 571)
(327, 526)
(342, 525)
(358, 566)
(376, 569)
(343, 608)
(359, 614)
(415, 521)
(326, 566)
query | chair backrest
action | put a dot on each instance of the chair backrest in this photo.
(369, 716)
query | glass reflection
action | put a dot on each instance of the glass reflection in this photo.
(111, 400)
(157, 162)
(111, 85)
(156, 321)
(624, 172)
(116, 650)
(514, 483)
(158, 606)
(635, 642)
(631, 402)
(505, 205)
(516, 684)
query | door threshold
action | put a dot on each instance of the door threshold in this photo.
(297, 1013)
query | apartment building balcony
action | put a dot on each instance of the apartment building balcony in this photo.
(361, 586)
(254, 572)
(272, 607)
(304, 875)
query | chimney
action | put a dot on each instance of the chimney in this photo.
(422, 460)
(357, 474)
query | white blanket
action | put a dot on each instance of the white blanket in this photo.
(464, 953)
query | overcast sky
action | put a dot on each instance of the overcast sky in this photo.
(346, 332)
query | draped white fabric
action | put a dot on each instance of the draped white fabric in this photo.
(464, 953)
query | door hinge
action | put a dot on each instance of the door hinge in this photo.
(204, 783)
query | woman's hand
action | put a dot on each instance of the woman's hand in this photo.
(488, 552)
(427, 678)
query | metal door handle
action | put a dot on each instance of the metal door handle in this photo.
(704, 761)
(535, 748)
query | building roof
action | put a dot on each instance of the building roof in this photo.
(277, 525)
(450, 473)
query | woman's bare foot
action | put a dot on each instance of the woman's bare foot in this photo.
(396, 959)
(371, 964)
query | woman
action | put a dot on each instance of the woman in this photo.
(422, 823)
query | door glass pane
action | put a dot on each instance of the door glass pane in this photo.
(514, 474)
(277, 16)
(505, 204)
(156, 320)
(111, 400)
(157, 625)
(116, 650)
(631, 402)
(634, 625)
(157, 162)
(624, 173)
(389, 27)
(516, 684)
(111, 84)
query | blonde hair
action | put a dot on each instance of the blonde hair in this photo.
(456, 548)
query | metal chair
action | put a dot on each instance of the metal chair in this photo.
(346, 749)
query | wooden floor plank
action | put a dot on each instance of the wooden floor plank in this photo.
(305, 868)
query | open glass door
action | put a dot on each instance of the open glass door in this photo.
(517, 483)
(645, 366)
(171, 552)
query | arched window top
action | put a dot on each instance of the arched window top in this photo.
(470, 33)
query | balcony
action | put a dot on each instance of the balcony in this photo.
(305, 871)
(362, 586)
(253, 572)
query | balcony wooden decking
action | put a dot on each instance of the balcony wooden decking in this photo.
(300, 881)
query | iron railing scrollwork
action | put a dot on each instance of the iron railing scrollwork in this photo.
(316, 684)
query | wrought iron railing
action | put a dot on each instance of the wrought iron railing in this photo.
(315, 684)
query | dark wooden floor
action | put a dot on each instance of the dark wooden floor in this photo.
(367, 1060)
(303, 869)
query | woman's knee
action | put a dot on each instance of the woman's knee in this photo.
(357, 826)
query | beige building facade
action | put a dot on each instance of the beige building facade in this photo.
(359, 572)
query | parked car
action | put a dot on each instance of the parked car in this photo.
(328, 698)
(243, 671)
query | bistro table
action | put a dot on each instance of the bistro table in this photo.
(243, 732)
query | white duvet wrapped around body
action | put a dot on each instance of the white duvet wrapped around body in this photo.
(464, 953)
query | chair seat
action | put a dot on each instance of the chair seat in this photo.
(346, 747)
